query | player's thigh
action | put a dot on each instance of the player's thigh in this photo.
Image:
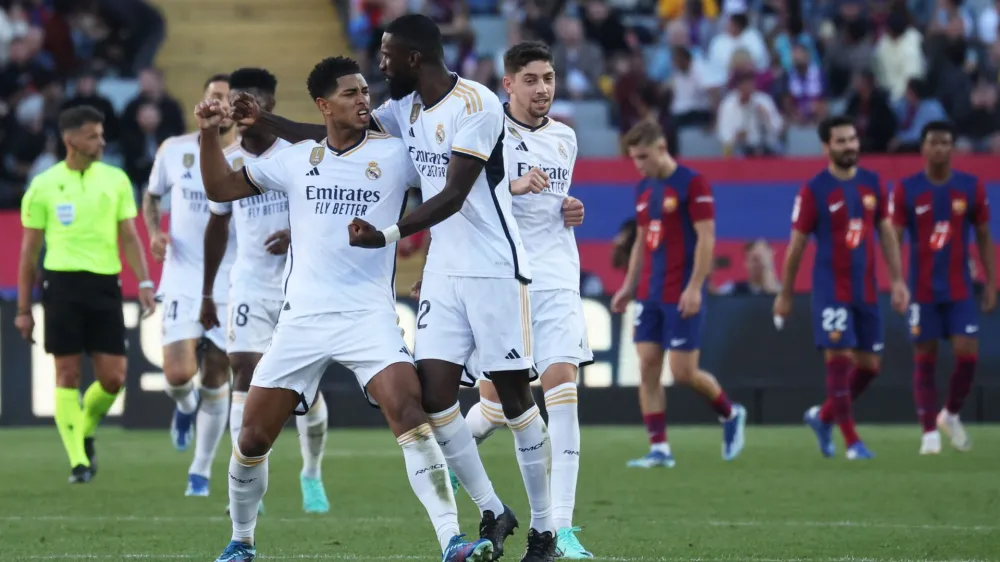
(443, 330)
(214, 364)
(295, 361)
(110, 369)
(396, 389)
(648, 323)
(559, 336)
(104, 318)
(65, 326)
(180, 360)
(367, 343)
(869, 329)
(265, 412)
(833, 326)
(925, 322)
(679, 333)
(216, 335)
(488, 392)
(499, 315)
(961, 322)
(243, 365)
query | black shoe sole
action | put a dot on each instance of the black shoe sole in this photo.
(88, 446)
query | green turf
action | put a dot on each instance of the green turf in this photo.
(779, 502)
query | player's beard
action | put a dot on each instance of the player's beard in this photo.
(846, 159)
(401, 86)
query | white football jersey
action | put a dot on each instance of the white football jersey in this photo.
(481, 240)
(552, 251)
(255, 219)
(176, 170)
(326, 189)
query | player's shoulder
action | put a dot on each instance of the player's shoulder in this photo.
(820, 181)
(913, 180)
(866, 176)
(964, 179)
(476, 98)
(178, 143)
(560, 131)
(303, 149)
(52, 176)
(111, 172)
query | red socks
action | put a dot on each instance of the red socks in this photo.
(960, 383)
(924, 391)
(859, 381)
(722, 406)
(656, 427)
(838, 393)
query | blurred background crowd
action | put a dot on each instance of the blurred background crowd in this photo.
(733, 78)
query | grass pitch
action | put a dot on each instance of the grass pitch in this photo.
(779, 502)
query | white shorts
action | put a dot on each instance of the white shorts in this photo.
(302, 348)
(459, 315)
(180, 321)
(251, 321)
(559, 332)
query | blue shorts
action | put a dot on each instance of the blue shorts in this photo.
(847, 326)
(661, 323)
(942, 320)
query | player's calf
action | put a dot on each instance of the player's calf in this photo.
(211, 418)
(312, 430)
(485, 416)
(180, 367)
(684, 367)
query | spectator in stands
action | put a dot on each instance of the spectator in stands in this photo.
(578, 62)
(748, 122)
(952, 21)
(536, 24)
(139, 29)
(19, 77)
(738, 35)
(13, 25)
(899, 55)
(151, 91)
(803, 100)
(794, 34)
(29, 138)
(953, 87)
(988, 23)
(915, 110)
(603, 26)
(847, 54)
(466, 60)
(980, 131)
(691, 103)
(762, 278)
(452, 17)
(86, 94)
(661, 65)
(652, 103)
(139, 145)
(742, 65)
(869, 107)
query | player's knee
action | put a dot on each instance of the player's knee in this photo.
(557, 375)
(112, 380)
(67, 375)
(216, 371)
(253, 441)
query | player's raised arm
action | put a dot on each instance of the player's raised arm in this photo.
(221, 182)
(984, 241)
(803, 224)
(246, 111)
(891, 250)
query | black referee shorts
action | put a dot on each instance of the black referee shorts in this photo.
(83, 313)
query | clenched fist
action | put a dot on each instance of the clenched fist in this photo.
(245, 109)
(535, 181)
(210, 114)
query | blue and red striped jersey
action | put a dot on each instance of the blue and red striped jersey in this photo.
(939, 218)
(843, 216)
(668, 209)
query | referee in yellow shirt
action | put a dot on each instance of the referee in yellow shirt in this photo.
(81, 208)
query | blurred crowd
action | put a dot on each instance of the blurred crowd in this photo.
(744, 70)
(52, 54)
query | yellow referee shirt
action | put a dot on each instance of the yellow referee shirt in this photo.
(80, 212)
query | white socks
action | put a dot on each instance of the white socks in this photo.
(185, 396)
(236, 415)
(534, 456)
(312, 429)
(209, 427)
(564, 430)
(459, 448)
(428, 473)
(247, 484)
(484, 418)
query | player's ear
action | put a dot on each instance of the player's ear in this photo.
(323, 106)
(508, 83)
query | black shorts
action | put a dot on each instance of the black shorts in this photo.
(83, 313)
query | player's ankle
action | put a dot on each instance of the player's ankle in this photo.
(245, 540)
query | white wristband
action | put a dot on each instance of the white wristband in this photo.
(147, 284)
(391, 234)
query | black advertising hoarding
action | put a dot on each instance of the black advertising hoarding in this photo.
(776, 375)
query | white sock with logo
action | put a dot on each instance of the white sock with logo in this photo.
(184, 395)
(312, 429)
(247, 484)
(428, 474)
(459, 448)
(210, 426)
(534, 456)
(239, 400)
(484, 418)
(564, 429)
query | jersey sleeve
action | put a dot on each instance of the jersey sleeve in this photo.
(477, 132)
(881, 202)
(33, 208)
(126, 198)
(268, 174)
(980, 205)
(221, 209)
(701, 202)
(804, 211)
(384, 120)
(641, 207)
(159, 179)
(897, 205)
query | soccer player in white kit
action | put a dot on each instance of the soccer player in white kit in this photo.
(203, 410)
(542, 156)
(339, 301)
(255, 285)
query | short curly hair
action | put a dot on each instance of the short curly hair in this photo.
(322, 80)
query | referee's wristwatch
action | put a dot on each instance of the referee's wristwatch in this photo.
(147, 284)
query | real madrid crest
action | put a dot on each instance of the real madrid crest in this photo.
(868, 201)
(439, 133)
(188, 160)
(562, 151)
(958, 206)
(414, 113)
(514, 133)
(373, 172)
(316, 156)
(238, 163)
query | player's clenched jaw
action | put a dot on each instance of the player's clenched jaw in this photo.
(530, 79)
